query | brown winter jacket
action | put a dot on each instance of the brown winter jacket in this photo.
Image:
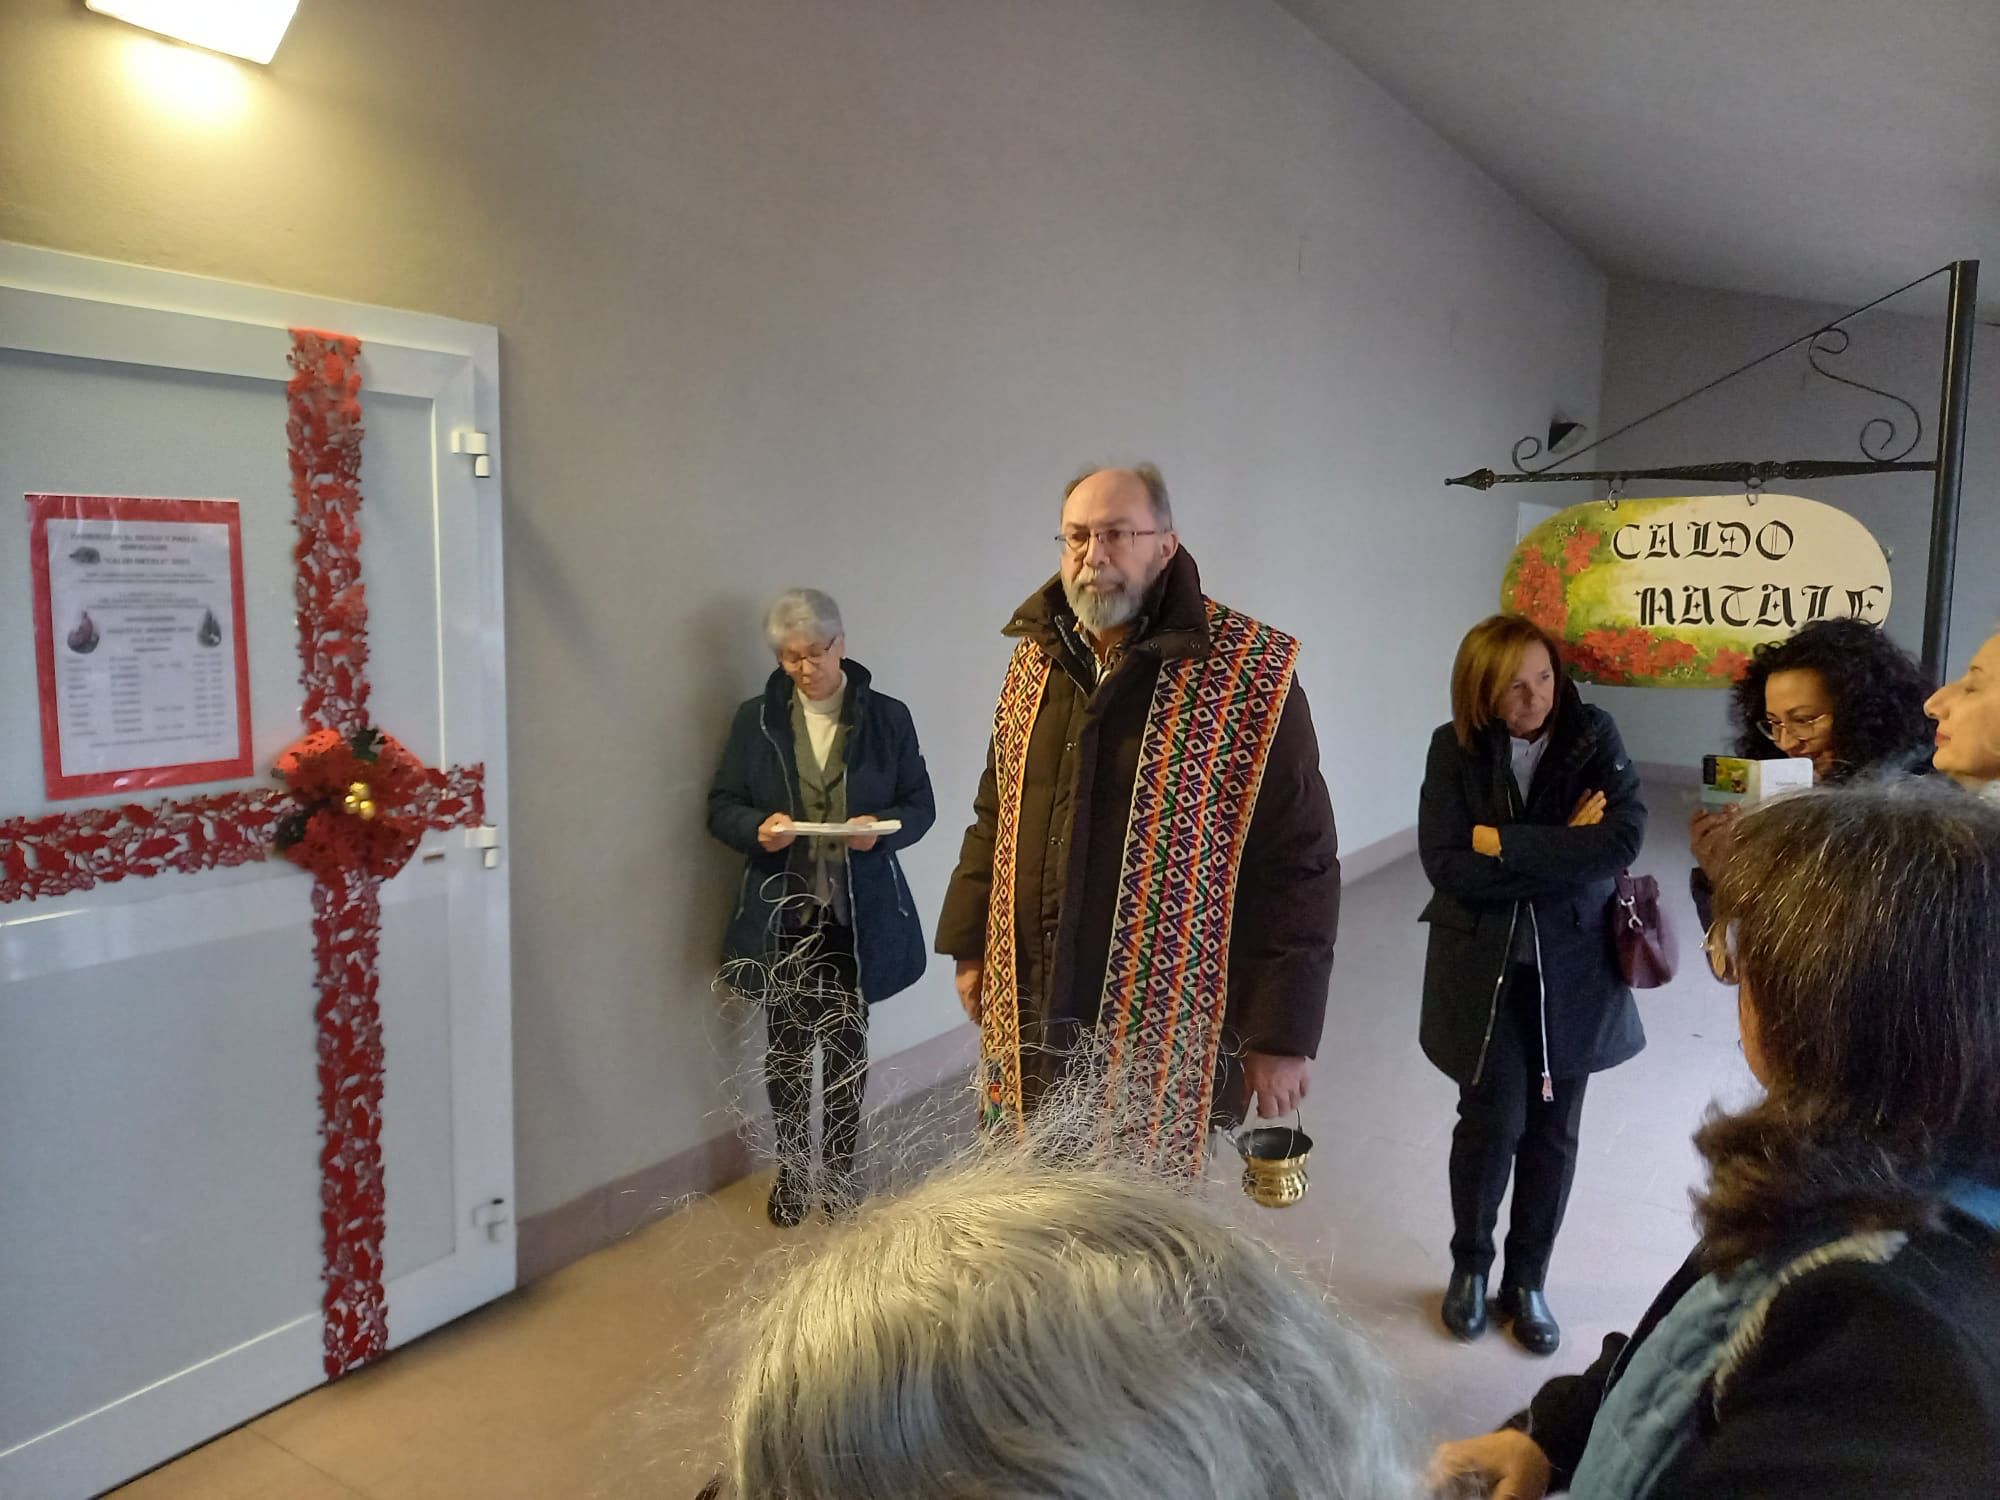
(1082, 756)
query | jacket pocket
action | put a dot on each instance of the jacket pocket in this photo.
(903, 902)
(1445, 911)
(742, 893)
(1590, 911)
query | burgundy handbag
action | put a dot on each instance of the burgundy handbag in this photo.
(1647, 955)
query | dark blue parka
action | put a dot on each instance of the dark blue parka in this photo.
(759, 775)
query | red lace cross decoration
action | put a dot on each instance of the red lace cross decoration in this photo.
(352, 837)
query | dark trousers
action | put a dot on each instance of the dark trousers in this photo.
(1505, 1128)
(817, 1005)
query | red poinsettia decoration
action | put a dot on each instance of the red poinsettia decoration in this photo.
(360, 810)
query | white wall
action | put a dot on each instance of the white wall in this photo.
(1662, 341)
(792, 291)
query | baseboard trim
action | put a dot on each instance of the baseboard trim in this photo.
(903, 1083)
(1358, 864)
(908, 1082)
(1668, 773)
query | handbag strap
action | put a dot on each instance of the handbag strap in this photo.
(1628, 897)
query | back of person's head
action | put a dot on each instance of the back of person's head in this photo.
(1049, 1332)
(1875, 688)
(1865, 925)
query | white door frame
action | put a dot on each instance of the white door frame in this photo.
(59, 304)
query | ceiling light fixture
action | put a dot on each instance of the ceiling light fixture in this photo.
(249, 29)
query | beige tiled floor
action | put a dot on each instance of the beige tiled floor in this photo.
(601, 1380)
(591, 1383)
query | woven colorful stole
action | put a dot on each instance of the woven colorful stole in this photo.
(999, 992)
(1166, 986)
(1201, 764)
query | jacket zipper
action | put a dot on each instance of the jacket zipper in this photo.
(791, 796)
(1581, 753)
(1506, 959)
(1542, 988)
(792, 800)
(1493, 1010)
(847, 852)
(854, 917)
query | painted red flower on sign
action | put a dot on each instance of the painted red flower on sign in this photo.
(1538, 593)
(1670, 654)
(1729, 664)
(1577, 552)
(1631, 654)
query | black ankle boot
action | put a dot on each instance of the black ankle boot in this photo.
(841, 1195)
(1465, 1305)
(1535, 1327)
(788, 1203)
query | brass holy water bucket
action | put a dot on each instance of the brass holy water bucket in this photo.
(1274, 1164)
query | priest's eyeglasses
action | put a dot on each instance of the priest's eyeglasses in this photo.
(1076, 541)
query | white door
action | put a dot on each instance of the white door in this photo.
(161, 1245)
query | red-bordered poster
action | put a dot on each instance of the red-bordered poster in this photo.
(139, 642)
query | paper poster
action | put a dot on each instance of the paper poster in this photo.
(145, 681)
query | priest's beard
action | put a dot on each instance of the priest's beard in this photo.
(1099, 610)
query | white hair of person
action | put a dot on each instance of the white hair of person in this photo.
(802, 612)
(1030, 1326)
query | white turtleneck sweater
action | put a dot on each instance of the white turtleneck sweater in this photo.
(823, 719)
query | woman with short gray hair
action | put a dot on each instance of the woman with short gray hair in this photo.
(1021, 1329)
(805, 615)
(824, 926)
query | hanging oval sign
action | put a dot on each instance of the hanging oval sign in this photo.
(1678, 592)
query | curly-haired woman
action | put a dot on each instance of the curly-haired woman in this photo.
(1839, 693)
